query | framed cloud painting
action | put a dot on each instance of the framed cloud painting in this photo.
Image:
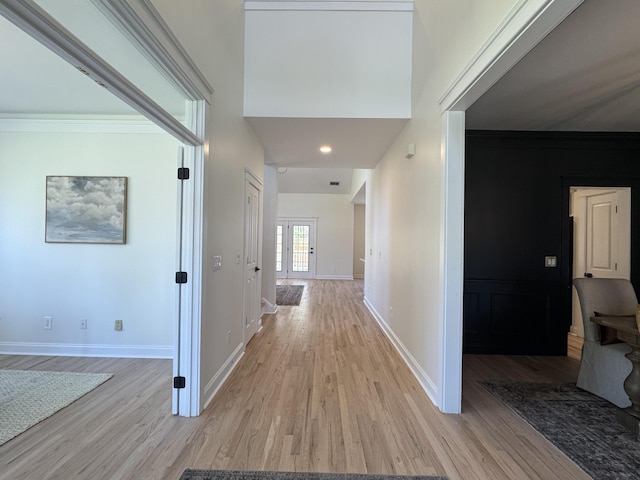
(86, 210)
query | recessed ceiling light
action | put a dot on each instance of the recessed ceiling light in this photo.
(325, 149)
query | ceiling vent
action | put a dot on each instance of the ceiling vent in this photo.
(334, 184)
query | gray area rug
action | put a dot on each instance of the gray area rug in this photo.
(289, 294)
(253, 475)
(28, 396)
(581, 425)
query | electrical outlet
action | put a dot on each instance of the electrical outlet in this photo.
(228, 337)
(118, 326)
(83, 324)
(47, 323)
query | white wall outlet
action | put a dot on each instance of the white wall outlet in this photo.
(228, 337)
(47, 323)
(118, 326)
(217, 262)
(238, 259)
(83, 324)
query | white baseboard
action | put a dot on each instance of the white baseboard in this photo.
(221, 376)
(334, 277)
(425, 382)
(268, 308)
(79, 350)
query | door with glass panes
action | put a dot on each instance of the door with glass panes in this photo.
(295, 248)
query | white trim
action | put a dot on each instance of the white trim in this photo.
(331, 6)
(358, 276)
(213, 387)
(191, 296)
(39, 125)
(332, 277)
(423, 379)
(268, 308)
(526, 24)
(86, 350)
(451, 277)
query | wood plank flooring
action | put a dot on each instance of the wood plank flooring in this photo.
(320, 388)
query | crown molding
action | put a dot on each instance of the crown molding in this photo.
(78, 125)
(350, 6)
(143, 25)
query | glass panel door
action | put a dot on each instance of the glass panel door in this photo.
(295, 248)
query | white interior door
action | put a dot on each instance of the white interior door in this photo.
(607, 256)
(295, 248)
(602, 237)
(251, 252)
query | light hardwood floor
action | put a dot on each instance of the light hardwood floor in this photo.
(320, 388)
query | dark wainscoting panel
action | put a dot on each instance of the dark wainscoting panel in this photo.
(517, 213)
(509, 318)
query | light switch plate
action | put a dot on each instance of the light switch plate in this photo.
(217, 262)
(550, 262)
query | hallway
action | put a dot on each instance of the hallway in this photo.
(320, 388)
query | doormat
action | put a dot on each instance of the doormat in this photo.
(289, 294)
(253, 475)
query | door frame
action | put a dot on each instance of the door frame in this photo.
(523, 28)
(251, 179)
(567, 263)
(150, 33)
(313, 237)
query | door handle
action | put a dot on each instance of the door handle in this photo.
(257, 269)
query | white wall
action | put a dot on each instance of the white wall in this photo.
(334, 232)
(213, 35)
(358, 64)
(101, 283)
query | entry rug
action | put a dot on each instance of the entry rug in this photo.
(27, 396)
(253, 475)
(289, 294)
(581, 425)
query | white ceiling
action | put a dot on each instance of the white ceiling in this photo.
(585, 76)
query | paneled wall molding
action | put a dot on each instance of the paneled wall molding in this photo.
(332, 6)
(76, 125)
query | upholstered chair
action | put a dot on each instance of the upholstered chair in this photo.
(604, 367)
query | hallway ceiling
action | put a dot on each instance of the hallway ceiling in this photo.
(585, 76)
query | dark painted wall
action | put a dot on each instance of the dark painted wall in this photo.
(516, 213)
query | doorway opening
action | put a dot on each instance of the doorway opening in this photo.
(601, 243)
(295, 248)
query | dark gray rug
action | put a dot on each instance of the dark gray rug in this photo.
(289, 294)
(253, 475)
(581, 425)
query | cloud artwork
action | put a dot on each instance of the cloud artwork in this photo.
(86, 209)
